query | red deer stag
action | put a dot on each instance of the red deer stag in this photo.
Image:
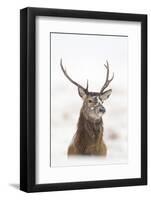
(88, 139)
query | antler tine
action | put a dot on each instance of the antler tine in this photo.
(87, 86)
(107, 81)
(72, 81)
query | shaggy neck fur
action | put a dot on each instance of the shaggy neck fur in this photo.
(88, 132)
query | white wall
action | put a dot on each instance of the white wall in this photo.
(9, 98)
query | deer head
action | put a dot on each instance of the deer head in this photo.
(93, 107)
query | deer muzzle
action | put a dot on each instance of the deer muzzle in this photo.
(102, 110)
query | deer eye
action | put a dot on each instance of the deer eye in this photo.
(90, 101)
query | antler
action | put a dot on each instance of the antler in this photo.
(72, 81)
(107, 78)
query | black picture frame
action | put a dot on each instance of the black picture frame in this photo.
(28, 99)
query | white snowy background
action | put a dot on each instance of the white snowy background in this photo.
(84, 57)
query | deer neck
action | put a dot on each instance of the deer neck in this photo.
(89, 130)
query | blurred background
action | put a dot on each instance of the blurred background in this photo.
(84, 57)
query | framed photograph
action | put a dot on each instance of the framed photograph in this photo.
(83, 99)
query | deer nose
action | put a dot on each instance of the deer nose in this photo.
(102, 110)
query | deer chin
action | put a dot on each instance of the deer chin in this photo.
(100, 115)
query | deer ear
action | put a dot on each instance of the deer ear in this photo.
(105, 95)
(82, 93)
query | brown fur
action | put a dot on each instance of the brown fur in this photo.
(88, 139)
